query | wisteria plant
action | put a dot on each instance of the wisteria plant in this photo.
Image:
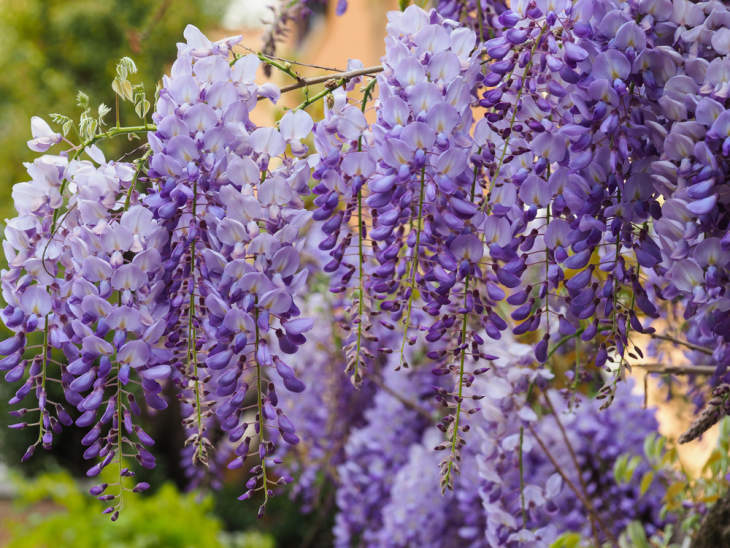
(428, 299)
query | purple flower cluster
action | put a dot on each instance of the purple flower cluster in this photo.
(551, 172)
(70, 277)
(599, 438)
(375, 453)
(509, 492)
(691, 174)
(193, 281)
(231, 267)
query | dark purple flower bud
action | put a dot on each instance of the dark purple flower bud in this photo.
(580, 280)
(97, 490)
(16, 373)
(9, 362)
(541, 349)
(141, 487)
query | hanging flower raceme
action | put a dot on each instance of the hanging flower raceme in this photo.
(71, 275)
(691, 175)
(34, 297)
(345, 163)
(232, 266)
(570, 199)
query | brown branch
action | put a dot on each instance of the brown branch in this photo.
(588, 506)
(689, 345)
(676, 369)
(347, 75)
(574, 458)
(405, 401)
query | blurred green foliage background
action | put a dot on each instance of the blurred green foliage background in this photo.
(49, 49)
(165, 519)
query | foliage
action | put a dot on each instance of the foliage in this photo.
(59, 46)
(166, 519)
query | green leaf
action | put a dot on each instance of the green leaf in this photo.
(637, 535)
(142, 108)
(123, 88)
(619, 468)
(631, 468)
(82, 100)
(567, 540)
(103, 110)
(125, 67)
(646, 480)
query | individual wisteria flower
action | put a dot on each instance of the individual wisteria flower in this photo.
(43, 136)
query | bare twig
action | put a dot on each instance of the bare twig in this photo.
(347, 75)
(689, 345)
(585, 502)
(298, 63)
(574, 458)
(676, 369)
(405, 401)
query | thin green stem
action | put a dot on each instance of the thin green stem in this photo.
(192, 354)
(133, 184)
(279, 66)
(42, 409)
(361, 254)
(566, 338)
(523, 506)
(120, 419)
(324, 93)
(460, 389)
(260, 407)
(547, 282)
(108, 134)
(414, 266)
(366, 95)
(480, 19)
(465, 317)
(361, 285)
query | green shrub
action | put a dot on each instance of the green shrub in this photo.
(166, 519)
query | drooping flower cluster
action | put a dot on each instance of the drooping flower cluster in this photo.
(509, 492)
(235, 222)
(375, 453)
(551, 171)
(70, 277)
(599, 439)
(691, 174)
